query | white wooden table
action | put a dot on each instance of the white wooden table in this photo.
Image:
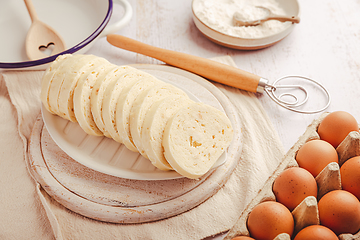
(325, 46)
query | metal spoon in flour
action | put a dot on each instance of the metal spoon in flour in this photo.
(240, 20)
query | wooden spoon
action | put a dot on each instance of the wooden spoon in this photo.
(239, 21)
(41, 37)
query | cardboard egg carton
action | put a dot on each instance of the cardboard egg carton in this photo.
(306, 213)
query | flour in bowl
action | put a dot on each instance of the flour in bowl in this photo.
(218, 15)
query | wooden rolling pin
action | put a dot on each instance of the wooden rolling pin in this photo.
(209, 69)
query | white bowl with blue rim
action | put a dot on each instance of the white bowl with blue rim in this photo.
(79, 22)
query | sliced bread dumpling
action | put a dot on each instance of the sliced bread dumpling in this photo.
(82, 94)
(65, 100)
(47, 80)
(154, 125)
(72, 63)
(195, 137)
(124, 105)
(97, 95)
(111, 96)
(142, 104)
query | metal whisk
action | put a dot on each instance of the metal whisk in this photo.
(223, 73)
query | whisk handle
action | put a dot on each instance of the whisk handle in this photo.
(209, 69)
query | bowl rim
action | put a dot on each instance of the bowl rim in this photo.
(77, 47)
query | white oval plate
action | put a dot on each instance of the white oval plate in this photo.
(110, 157)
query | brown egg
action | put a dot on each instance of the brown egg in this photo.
(242, 238)
(350, 176)
(315, 155)
(269, 219)
(316, 232)
(339, 210)
(293, 185)
(336, 126)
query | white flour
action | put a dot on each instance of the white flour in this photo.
(218, 14)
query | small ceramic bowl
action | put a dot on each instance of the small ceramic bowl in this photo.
(79, 22)
(291, 7)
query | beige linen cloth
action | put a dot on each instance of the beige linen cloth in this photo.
(27, 212)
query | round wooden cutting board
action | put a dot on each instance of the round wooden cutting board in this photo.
(112, 198)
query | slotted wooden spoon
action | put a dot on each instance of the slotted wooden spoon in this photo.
(41, 37)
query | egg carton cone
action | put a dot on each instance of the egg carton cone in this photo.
(306, 213)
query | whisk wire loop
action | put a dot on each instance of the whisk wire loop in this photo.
(270, 89)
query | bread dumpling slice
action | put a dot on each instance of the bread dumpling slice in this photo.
(154, 125)
(195, 137)
(71, 63)
(111, 96)
(142, 104)
(124, 105)
(66, 94)
(97, 95)
(48, 78)
(82, 94)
